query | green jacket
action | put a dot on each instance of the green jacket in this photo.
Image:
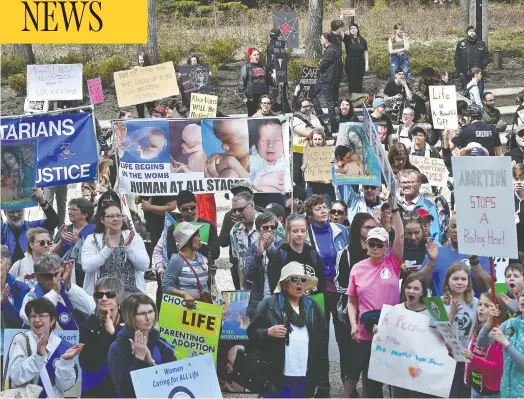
(272, 350)
(419, 88)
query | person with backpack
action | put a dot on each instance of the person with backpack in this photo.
(472, 89)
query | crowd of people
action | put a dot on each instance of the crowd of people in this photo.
(357, 247)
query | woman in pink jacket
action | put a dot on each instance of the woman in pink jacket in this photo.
(484, 372)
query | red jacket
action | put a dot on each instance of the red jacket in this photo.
(490, 367)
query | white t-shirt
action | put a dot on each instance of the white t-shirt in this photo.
(296, 353)
(465, 321)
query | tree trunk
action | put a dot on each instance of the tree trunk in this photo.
(485, 21)
(464, 13)
(25, 52)
(314, 29)
(152, 44)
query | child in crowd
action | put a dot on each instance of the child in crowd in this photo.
(514, 276)
(484, 372)
(461, 306)
(325, 188)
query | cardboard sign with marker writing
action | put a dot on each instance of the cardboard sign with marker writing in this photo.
(443, 101)
(203, 106)
(57, 82)
(141, 85)
(96, 93)
(318, 163)
(433, 168)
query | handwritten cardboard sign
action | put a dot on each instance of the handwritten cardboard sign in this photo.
(141, 85)
(406, 352)
(203, 106)
(433, 168)
(308, 82)
(485, 208)
(443, 101)
(318, 161)
(55, 82)
(96, 94)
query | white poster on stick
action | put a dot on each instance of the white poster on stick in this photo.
(485, 206)
(406, 352)
(443, 102)
(55, 82)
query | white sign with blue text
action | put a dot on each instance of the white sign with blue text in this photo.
(194, 377)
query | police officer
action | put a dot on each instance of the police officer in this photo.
(471, 52)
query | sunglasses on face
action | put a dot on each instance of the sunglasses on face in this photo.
(188, 208)
(272, 228)
(49, 276)
(369, 187)
(336, 212)
(45, 242)
(297, 280)
(372, 244)
(107, 294)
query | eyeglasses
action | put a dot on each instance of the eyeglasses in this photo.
(375, 245)
(188, 208)
(369, 187)
(117, 217)
(272, 227)
(49, 276)
(107, 294)
(146, 313)
(73, 210)
(297, 280)
(45, 242)
(239, 210)
(337, 212)
(39, 316)
(411, 216)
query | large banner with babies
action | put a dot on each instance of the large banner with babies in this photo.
(163, 157)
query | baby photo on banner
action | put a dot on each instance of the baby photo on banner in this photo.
(355, 161)
(18, 173)
(187, 152)
(269, 155)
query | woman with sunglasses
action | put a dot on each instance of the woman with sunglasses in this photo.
(264, 106)
(374, 282)
(290, 332)
(97, 334)
(138, 344)
(38, 244)
(338, 213)
(41, 357)
(114, 250)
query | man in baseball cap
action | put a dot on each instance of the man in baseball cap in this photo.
(517, 154)
(384, 124)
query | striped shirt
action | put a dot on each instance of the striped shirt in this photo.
(180, 276)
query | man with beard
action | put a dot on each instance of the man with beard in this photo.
(471, 52)
(14, 231)
(447, 255)
(491, 114)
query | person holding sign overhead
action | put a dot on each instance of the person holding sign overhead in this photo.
(138, 345)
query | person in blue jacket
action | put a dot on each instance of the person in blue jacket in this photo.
(138, 345)
(13, 293)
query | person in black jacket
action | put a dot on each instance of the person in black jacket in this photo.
(471, 52)
(254, 80)
(288, 319)
(138, 345)
(328, 69)
(97, 333)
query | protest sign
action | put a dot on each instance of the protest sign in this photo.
(191, 332)
(67, 151)
(407, 353)
(308, 82)
(96, 94)
(203, 106)
(363, 167)
(439, 315)
(71, 336)
(200, 155)
(433, 168)
(318, 163)
(234, 317)
(371, 133)
(196, 78)
(279, 51)
(189, 378)
(35, 107)
(142, 85)
(484, 202)
(287, 22)
(19, 158)
(56, 82)
(443, 101)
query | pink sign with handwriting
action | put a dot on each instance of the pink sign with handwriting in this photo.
(95, 91)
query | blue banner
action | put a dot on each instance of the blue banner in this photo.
(67, 151)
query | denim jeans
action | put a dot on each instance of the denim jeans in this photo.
(464, 80)
(475, 395)
(399, 61)
(328, 91)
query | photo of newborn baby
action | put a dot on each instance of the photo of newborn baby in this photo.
(226, 146)
(190, 155)
(269, 166)
(138, 144)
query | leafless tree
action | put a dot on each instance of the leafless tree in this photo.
(314, 29)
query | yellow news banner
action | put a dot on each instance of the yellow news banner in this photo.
(73, 22)
(191, 332)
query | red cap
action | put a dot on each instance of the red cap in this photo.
(160, 110)
(424, 214)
